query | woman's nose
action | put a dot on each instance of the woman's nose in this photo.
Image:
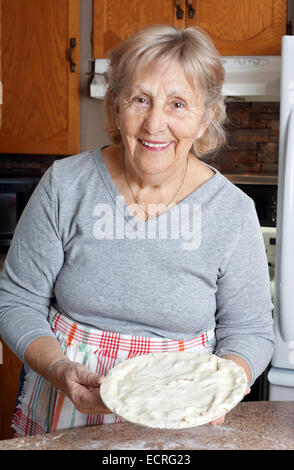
(155, 121)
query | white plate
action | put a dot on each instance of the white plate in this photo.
(173, 390)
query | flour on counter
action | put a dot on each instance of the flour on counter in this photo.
(174, 389)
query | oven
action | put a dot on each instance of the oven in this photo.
(14, 195)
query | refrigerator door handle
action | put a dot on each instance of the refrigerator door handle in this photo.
(286, 285)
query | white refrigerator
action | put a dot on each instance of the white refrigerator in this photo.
(281, 373)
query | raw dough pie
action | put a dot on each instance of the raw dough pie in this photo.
(173, 389)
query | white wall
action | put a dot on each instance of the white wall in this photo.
(92, 119)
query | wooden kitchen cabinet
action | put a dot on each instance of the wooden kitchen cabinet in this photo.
(243, 27)
(237, 27)
(10, 367)
(115, 20)
(41, 96)
(9, 383)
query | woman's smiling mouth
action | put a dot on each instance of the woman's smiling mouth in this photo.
(155, 146)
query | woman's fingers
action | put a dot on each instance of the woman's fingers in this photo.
(81, 386)
(87, 378)
(86, 392)
(218, 421)
(88, 400)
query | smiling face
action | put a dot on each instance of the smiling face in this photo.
(159, 115)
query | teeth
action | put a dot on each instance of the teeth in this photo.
(154, 145)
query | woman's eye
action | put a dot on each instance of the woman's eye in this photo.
(140, 100)
(178, 105)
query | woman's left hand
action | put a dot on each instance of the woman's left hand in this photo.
(240, 362)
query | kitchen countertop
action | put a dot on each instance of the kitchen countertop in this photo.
(252, 178)
(249, 426)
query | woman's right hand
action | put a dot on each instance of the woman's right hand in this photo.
(80, 385)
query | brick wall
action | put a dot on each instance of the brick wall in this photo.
(253, 135)
(253, 139)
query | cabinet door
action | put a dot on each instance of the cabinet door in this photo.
(10, 367)
(40, 111)
(242, 27)
(115, 20)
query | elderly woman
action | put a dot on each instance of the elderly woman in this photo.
(138, 247)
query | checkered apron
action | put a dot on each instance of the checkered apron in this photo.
(41, 408)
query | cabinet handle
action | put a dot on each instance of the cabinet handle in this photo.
(72, 45)
(191, 10)
(179, 12)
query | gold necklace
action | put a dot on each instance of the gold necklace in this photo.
(146, 213)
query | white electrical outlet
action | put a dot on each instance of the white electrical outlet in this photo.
(269, 236)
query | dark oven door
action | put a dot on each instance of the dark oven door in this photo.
(265, 199)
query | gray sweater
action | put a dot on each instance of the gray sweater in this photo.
(200, 265)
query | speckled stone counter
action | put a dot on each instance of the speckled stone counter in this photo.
(249, 426)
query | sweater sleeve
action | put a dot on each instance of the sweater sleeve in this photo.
(244, 324)
(32, 264)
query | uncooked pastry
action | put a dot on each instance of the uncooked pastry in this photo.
(173, 389)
